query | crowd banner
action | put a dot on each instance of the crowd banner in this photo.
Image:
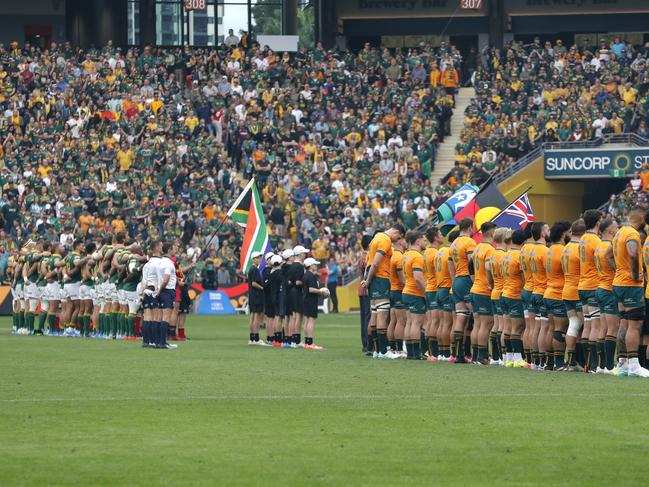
(594, 163)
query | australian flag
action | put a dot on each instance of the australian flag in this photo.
(517, 215)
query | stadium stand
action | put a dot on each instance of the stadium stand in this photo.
(158, 142)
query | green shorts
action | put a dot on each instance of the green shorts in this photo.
(555, 307)
(512, 307)
(482, 304)
(431, 301)
(526, 297)
(589, 298)
(497, 306)
(414, 304)
(607, 302)
(573, 305)
(379, 288)
(444, 299)
(462, 289)
(538, 306)
(630, 297)
(396, 300)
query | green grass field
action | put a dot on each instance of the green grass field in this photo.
(217, 412)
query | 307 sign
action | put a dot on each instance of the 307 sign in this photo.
(195, 5)
(470, 4)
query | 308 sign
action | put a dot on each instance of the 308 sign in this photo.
(195, 5)
(471, 4)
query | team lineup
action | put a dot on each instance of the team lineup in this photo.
(99, 291)
(566, 297)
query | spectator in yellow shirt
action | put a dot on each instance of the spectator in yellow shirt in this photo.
(118, 224)
(125, 157)
(156, 104)
(191, 122)
(86, 220)
(321, 249)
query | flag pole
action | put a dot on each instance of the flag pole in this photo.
(227, 215)
(502, 211)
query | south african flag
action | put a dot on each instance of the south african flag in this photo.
(248, 213)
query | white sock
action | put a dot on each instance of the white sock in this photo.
(517, 357)
(634, 363)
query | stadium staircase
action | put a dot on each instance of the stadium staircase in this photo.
(446, 150)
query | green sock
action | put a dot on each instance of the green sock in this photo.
(51, 322)
(42, 316)
(416, 348)
(609, 352)
(14, 320)
(114, 323)
(600, 354)
(434, 347)
(383, 341)
(20, 319)
(102, 323)
(374, 341)
(131, 325)
(31, 317)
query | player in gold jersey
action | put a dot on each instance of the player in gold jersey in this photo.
(537, 260)
(512, 301)
(397, 324)
(481, 294)
(628, 287)
(529, 315)
(605, 299)
(377, 283)
(644, 338)
(461, 269)
(502, 241)
(571, 264)
(444, 303)
(414, 292)
(558, 318)
(434, 237)
(593, 333)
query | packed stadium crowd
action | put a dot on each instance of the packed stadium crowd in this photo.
(155, 142)
(543, 92)
(566, 297)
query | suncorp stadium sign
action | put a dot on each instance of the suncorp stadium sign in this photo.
(593, 163)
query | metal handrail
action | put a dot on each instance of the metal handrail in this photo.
(626, 138)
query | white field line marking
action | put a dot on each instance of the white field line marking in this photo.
(308, 397)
